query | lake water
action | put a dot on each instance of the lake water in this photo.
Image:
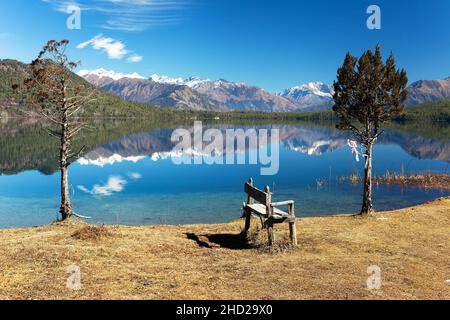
(129, 178)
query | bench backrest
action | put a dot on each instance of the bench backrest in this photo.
(263, 197)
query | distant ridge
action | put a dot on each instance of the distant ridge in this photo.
(195, 93)
(428, 91)
(198, 94)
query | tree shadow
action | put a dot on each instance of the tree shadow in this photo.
(227, 241)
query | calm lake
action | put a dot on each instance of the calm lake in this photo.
(127, 176)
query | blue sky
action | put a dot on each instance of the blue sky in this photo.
(271, 44)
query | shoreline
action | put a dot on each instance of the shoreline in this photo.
(410, 246)
(87, 221)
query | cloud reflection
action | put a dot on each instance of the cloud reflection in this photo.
(115, 184)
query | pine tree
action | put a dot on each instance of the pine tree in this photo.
(367, 94)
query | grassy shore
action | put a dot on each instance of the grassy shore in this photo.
(411, 246)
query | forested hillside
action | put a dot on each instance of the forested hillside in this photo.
(104, 105)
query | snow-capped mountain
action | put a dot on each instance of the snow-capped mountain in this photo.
(102, 73)
(316, 88)
(135, 88)
(242, 96)
(205, 94)
(191, 82)
(235, 95)
(100, 161)
(311, 96)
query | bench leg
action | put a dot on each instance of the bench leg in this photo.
(293, 233)
(270, 233)
(248, 217)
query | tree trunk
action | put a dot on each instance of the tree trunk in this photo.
(66, 206)
(367, 200)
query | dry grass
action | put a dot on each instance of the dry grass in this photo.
(94, 233)
(411, 246)
(423, 181)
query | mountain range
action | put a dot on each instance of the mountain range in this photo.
(204, 94)
(140, 90)
(195, 93)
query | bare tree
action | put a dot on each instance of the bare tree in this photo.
(59, 97)
(367, 94)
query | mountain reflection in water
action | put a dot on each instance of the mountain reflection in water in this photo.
(126, 176)
(311, 140)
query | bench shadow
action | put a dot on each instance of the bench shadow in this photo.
(200, 243)
(227, 241)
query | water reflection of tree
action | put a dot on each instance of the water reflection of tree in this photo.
(24, 143)
(133, 138)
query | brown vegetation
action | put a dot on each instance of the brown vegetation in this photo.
(92, 233)
(411, 246)
(424, 181)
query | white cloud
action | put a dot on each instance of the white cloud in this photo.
(114, 184)
(84, 189)
(135, 175)
(115, 49)
(63, 6)
(128, 15)
(134, 58)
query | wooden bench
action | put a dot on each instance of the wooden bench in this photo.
(268, 211)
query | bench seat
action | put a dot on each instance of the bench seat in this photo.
(261, 210)
(278, 215)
